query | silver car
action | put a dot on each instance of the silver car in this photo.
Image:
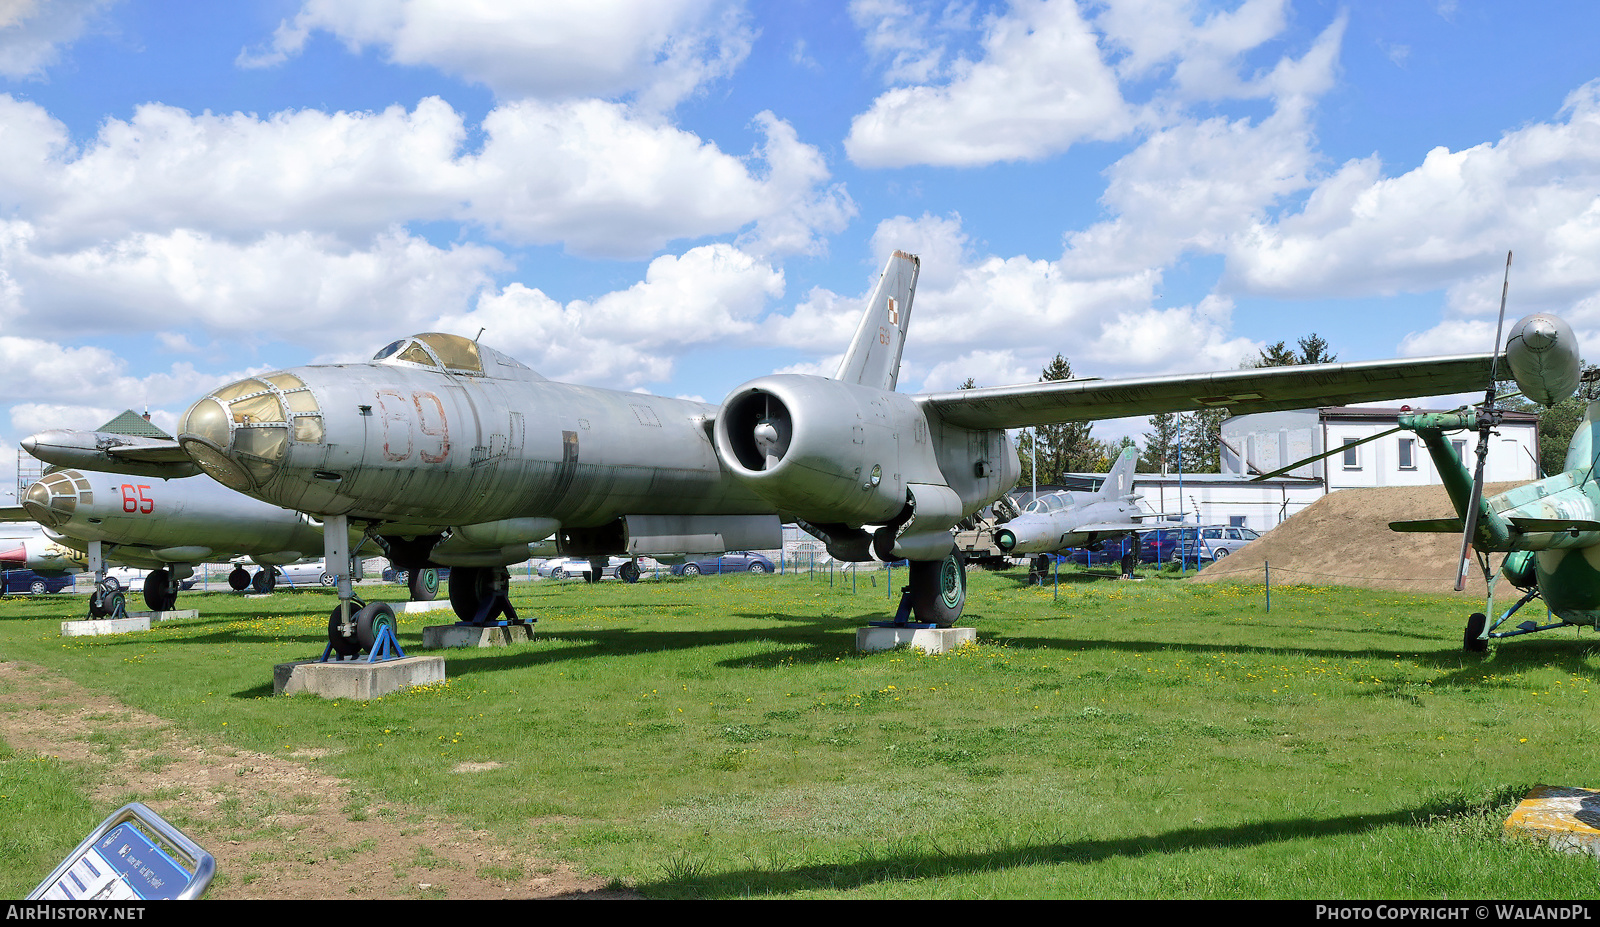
(1216, 542)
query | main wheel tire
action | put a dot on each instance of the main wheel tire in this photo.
(424, 585)
(468, 586)
(628, 572)
(690, 569)
(158, 592)
(939, 589)
(343, 646)
(239, 579)
(597, 571)
(372, 619)
(265, 580)
(1473, 640)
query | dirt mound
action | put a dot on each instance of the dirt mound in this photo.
(1343, 539)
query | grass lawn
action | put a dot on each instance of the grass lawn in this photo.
(719, 737)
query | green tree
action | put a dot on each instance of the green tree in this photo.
(1202, 440)
(1161, 443)
(1313, 350)
(1061, 449)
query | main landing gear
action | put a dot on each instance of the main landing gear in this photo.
(481, 595)
(1480, 631)
(937, 592)
(161, 587)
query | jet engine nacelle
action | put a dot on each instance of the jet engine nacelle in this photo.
(827, 451)
(1543, 355)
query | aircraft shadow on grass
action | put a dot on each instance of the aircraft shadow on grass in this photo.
(1554, 656)
(820, 637)
(902, 862)
(1074, 578)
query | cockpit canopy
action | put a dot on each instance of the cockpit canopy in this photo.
(455, 354)
(1051, 503)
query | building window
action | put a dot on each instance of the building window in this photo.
(1352, 454)
(1236, 521)
(1408, 453)
(1461, 450)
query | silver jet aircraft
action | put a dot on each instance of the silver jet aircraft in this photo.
(1059, 520)
(30, 547)
(167, 526)
(447, 452)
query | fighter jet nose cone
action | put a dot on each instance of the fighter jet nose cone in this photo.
(1005, 540)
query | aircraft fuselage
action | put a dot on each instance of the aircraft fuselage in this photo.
(429, 449)
(153, 521)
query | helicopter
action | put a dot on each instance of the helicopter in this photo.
(1549, 529)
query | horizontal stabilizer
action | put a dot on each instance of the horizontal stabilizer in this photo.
(1554, 525)
(1452, 525)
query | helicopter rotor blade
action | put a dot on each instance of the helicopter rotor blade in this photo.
(1487, 420)
(1328, 453)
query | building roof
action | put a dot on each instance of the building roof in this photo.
(132, 423)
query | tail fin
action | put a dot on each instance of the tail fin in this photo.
(874, 355)
(1119, 482)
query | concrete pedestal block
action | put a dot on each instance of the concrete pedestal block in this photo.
(456, 635)
(414, 608)
(90, 627)
(357, 680)
(1560, 816)
(927, 640)
(169, 615)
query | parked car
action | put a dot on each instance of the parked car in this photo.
(20, 581)
(309, 573)
(1160, 545)
(1155, 546)
(734, 561)
(1214, 542)
(578, 568)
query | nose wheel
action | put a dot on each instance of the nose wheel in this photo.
(107, 600)
(1473, 640)
(372, 623)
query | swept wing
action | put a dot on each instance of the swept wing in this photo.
(1262, 389)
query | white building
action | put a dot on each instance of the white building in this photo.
(1267, 441)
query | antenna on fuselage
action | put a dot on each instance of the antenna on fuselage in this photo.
(481, 330)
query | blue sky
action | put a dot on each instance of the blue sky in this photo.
(679, 195)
